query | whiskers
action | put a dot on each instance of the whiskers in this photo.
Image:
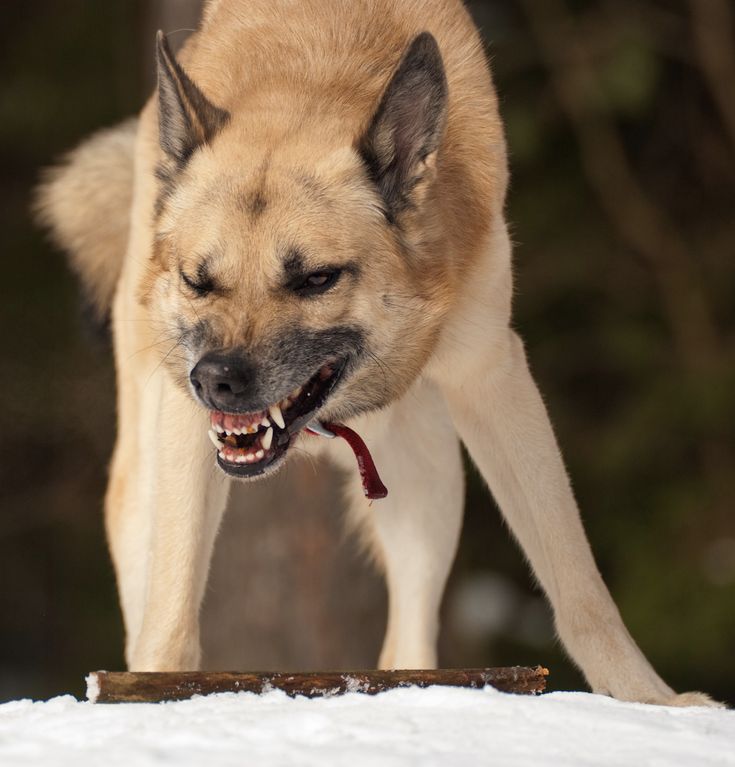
(383, 370)
(172, 353)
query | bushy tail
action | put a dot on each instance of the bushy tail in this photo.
(84, 202)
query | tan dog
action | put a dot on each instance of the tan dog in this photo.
(317, 231)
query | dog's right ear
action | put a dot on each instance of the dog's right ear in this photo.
(186, 118)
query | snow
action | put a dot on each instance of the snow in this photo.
(435, 726)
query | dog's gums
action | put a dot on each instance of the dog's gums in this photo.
(250, 443)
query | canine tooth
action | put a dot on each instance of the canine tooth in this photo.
(277, 415)
(215, 440)
(267, 439)
(259, 454)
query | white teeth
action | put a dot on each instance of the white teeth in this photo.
(265, 422)
(227, 432)
(218, 428)
(267, 439)
(241, 457)
(215, 440)
(252, 428)
(277, 416)
(237, 431)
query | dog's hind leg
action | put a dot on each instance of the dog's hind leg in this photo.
(414, 531)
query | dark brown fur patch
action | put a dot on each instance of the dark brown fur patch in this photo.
(256, 204)
(255, 201)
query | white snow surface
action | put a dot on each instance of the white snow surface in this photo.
(434, 726)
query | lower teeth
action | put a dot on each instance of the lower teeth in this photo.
(242, 457)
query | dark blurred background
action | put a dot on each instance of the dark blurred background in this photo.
(621, 124)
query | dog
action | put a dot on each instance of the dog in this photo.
(304, 232)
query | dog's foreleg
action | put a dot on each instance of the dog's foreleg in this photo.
(127, 509)
(414, 531)
(183, 495)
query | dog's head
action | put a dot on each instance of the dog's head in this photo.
(296, 268)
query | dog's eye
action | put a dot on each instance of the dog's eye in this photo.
(201, 285)
(317, 282)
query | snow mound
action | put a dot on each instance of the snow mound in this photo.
(434, 726)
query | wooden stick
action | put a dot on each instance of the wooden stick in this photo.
(130, 687)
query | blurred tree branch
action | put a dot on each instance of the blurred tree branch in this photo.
(714, 26)
(641, 223)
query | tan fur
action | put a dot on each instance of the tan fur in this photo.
(85, 203)
(301, 82)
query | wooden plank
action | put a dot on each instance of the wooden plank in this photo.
(151, 687)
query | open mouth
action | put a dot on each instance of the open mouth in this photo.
(249, 444)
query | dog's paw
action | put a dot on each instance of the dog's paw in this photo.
(692, 699)
(659, 695)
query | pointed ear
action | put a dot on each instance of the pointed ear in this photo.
(186, 119)
(401, 141)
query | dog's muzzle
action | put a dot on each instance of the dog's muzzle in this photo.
(249, 444)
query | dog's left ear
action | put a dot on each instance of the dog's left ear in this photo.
(401, 142)
(186, 118)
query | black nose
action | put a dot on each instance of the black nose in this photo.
(223, 381)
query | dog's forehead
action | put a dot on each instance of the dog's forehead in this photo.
(271, 208)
